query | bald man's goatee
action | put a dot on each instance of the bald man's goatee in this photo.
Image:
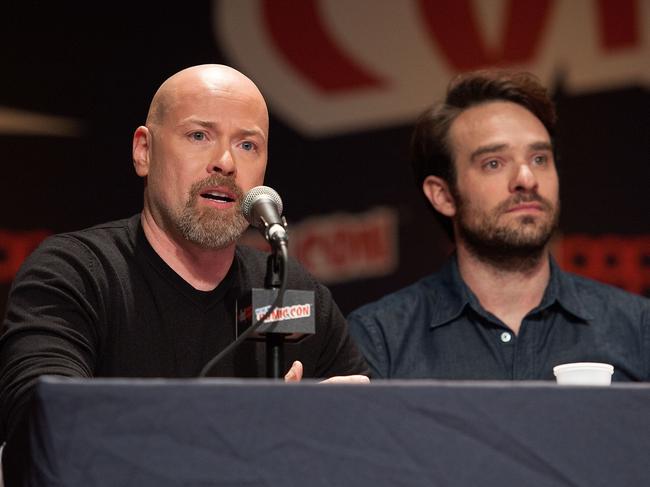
(212, 228)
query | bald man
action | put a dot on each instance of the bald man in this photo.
(154, 295)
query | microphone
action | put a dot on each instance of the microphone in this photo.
(262, 207)
(274, 313)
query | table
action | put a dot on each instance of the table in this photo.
(112, 432)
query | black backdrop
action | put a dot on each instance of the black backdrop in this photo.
(100, 65)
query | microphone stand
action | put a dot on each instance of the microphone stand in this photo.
(274, 341)
(276, 274)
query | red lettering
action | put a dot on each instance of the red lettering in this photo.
(337, 248)
(297, 30)
(376, 240)
(618, 22)
(452, 25)
(340, 247)
(619, 260)
(14, 248)
(306, 250)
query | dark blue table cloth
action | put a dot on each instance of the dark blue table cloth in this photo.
(264, 433)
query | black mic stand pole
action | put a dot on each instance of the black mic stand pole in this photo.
(274, 341)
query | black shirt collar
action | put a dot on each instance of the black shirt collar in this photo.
(205, 299)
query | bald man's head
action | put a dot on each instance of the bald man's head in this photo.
(203, 77)
(204, 146)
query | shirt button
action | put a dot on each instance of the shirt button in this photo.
(506, 337)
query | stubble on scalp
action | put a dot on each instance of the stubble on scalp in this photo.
(158, 108)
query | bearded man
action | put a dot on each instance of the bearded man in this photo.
(500, 308)
(154, 295)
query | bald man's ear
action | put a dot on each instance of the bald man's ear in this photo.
(141, 148)
(439, 195)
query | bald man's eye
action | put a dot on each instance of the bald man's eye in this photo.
(197, 136)
(248, 146)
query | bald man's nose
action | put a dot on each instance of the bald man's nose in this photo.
(223, 163)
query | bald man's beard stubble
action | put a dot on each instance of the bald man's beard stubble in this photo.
(516, 245)
(207, 227)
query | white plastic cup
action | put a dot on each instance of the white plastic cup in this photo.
(584, 374)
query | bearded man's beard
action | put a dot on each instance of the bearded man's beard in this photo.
(516, 245)
(212, 228)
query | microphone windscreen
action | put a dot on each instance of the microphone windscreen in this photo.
(256, 194)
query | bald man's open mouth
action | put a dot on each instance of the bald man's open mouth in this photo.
(218, 196)
(216, 192)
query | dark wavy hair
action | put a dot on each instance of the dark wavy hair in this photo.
(430, 147)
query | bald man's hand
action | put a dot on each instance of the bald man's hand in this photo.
(296, 370)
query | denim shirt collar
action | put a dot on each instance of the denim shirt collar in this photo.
(456, 296)
(562, 289)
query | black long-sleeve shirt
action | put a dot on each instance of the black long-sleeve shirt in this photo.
(101, 303)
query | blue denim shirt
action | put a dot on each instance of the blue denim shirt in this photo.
(436, 328)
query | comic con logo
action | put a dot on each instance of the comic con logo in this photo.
(283, 313)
